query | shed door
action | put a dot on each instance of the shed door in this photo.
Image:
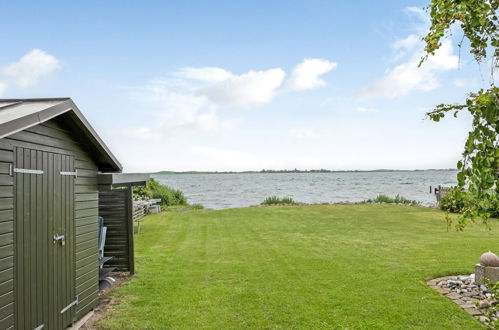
(44, 237)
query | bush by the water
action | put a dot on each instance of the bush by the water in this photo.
(153, 189)
(274, 200)
(389, 200)
(457, 200)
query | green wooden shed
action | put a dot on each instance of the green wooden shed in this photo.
(51, 161)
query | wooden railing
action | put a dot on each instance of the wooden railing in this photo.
(140, 209)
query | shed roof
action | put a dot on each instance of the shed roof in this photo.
(122, 179)
(19, 114)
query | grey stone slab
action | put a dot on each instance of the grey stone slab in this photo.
(473, 311)
(482, 272)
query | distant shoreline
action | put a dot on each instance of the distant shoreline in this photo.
(295, 171)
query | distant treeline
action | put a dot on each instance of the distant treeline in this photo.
(296, 171)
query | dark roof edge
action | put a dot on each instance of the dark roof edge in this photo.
(117, 179)
(101, 146)
(37, 99)
(66, 105)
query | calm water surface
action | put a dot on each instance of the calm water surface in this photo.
(219, 191)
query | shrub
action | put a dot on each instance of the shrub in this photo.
(454, 201)
(153, 189)
(457, 200)
(388, 200)
(274, 200)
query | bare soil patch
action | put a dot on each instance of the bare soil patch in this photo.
(106, 303)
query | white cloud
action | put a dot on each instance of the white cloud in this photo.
(192, 99)
(408, 43)
(251, 88)
(306, 75)
(407, 77)
(406, 46)
(224, 88)
(208, 74)
(178, 110)
(304, 133)
(30, 68)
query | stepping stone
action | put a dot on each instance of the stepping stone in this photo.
(432, 282)
(459, 302)
(468, 305)
(442, 290)
(473, 311)
(453, 296)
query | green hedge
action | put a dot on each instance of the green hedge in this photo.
(457, 200)
(153, 189)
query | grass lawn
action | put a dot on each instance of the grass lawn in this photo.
(309, 267)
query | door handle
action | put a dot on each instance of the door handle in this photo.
(61, 239)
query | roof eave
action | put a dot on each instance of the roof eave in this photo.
(95, 138)
(67, 105)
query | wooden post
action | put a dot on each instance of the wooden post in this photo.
(129, 204)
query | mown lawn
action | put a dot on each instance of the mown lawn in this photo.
(308, 267)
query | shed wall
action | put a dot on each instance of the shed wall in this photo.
(52, 137)
(116, 208)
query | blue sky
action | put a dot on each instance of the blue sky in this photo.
(228, 85)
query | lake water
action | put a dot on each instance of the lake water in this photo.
(219, 191)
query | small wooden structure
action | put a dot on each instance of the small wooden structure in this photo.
(116, 207)
(50, 160)
(140, 209)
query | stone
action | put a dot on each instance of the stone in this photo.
(442, 290)
(483, 319)
(484, 304)
(458, 302)
(453, 296)
(467, 305)
(489, 259)
(473, 311)
(432, 282)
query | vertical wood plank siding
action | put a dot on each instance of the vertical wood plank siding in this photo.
(43, 207)
(51, 137)
(6, 240)
(115, 206)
